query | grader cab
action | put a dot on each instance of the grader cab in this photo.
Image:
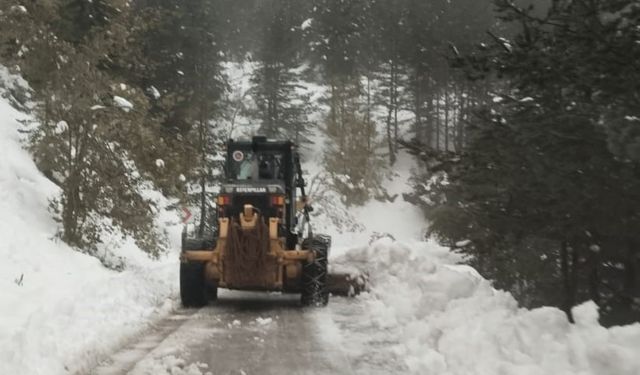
(261, 238)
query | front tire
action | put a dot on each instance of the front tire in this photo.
(193, 289)
(314, 274)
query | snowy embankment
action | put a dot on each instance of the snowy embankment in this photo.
(441, 318)
(428, 314)
(62, 310)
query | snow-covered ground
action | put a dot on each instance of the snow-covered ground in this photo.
(60, 310)
(430, 315)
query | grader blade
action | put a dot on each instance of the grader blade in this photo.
(348, 284)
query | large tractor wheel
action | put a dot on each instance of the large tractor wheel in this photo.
(210, 291)
(193, 290)
(315, 291)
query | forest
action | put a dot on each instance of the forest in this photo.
(524, 116)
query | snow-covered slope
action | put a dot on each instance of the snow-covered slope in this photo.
(435, 317)
(60, 310)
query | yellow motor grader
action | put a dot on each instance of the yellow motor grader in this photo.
(261, 238)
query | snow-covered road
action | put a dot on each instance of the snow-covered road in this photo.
(245, 333)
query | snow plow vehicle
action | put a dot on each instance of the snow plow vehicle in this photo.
(261, 238)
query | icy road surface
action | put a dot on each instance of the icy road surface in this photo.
(247, 333)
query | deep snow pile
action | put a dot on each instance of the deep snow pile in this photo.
(441, 318)
(62, 310)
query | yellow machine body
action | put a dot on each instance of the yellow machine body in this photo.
(249, 255)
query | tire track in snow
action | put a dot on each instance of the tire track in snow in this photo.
(125, 359)
(241, 333)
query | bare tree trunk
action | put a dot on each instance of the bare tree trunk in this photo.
(594, 277)
(417, 108)
(391, 109)
(574, 276)
(395, 110)
(565, 270)
(460, 122)
(446, 119)
(343, 128)
(333, 107)
(437, 122)
(430, 121)
(368, 118)
(455, 110)
(203, 172)
(630, 274)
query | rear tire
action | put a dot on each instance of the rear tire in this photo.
(193, 291)
(314, 274)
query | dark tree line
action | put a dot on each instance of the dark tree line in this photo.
(150, 72)
(545, 199)
(388, 77)
(116, 75)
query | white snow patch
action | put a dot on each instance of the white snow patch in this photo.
(264, 321)
(463, 243)
(61, 127)
(306, 24)
(154, 92)
(19, 8)
(123, 103)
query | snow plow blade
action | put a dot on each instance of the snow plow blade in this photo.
(346, 284)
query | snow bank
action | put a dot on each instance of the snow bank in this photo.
(62, 310)
(444, 318)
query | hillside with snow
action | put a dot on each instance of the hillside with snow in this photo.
(63, 310)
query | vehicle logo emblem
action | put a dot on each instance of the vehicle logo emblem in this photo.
(238, 155)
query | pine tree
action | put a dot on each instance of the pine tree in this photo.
(89, 124)
(183, 47)
(282, 106)
(351, 155)
(542, 198)
(78, 18)
(386, 33)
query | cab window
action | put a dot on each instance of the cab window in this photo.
(247, 165)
